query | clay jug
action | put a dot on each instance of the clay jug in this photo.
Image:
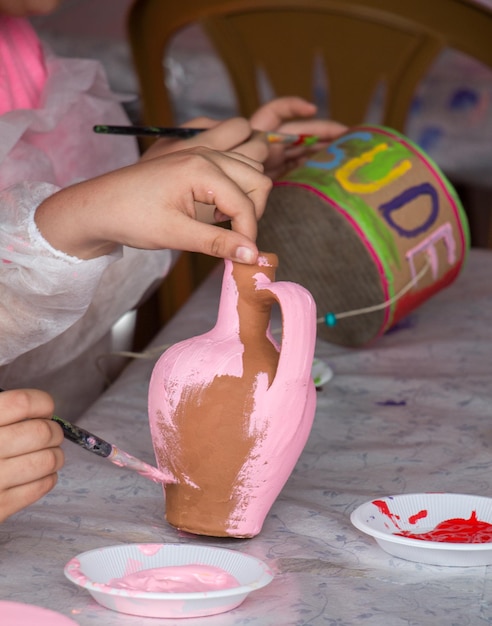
(230, 410)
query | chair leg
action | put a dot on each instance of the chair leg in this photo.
(477, 201)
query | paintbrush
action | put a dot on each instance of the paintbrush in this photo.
(96, 445)
(185, 133)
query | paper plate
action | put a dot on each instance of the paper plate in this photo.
(456, 516)
(19, 614)
(94, 569)
(321, 372)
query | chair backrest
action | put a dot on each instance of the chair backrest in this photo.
(359, 46)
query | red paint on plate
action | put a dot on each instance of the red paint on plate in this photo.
(384, 510)
(413, 519)
(456, 530)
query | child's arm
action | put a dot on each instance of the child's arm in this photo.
(30, 453)
(57, 244)
(164, 202)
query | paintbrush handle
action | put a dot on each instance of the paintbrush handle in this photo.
(84, 438)
(96, 445)
(148, 131)
(99, 446)
(186, 133)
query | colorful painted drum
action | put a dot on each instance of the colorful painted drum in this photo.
(371, 227)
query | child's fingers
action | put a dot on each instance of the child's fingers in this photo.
(271, 115)
(20, 404)
(224, 136)
(27, 436)
(326, 130)
(218, 242)
(218, 135)
(17, 498)
(221, 136)
(29, 468)
(30, 456)
(241, 194)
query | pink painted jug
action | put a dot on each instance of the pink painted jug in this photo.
(230, 410)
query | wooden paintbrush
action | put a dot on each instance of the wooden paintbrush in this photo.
(186, 133)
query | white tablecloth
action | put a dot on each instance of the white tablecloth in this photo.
(412, 413)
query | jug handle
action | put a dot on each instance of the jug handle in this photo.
(298, 327)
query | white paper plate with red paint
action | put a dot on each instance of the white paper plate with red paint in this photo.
(434, 528)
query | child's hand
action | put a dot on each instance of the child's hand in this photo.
(30, 453)
(289, 115)
(169, 201)
(292, 115)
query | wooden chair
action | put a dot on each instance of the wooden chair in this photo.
(360, 45)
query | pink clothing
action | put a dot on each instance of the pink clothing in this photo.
(22, 68)
(53, 141)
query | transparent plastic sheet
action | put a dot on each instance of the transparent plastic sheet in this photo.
(43, 291)
(54, 308)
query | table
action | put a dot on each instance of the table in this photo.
(412, 413)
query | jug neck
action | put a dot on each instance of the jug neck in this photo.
(254, 305)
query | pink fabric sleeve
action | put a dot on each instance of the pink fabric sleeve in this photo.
(22, 68)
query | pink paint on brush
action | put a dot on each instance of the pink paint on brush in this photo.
(123, 459)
